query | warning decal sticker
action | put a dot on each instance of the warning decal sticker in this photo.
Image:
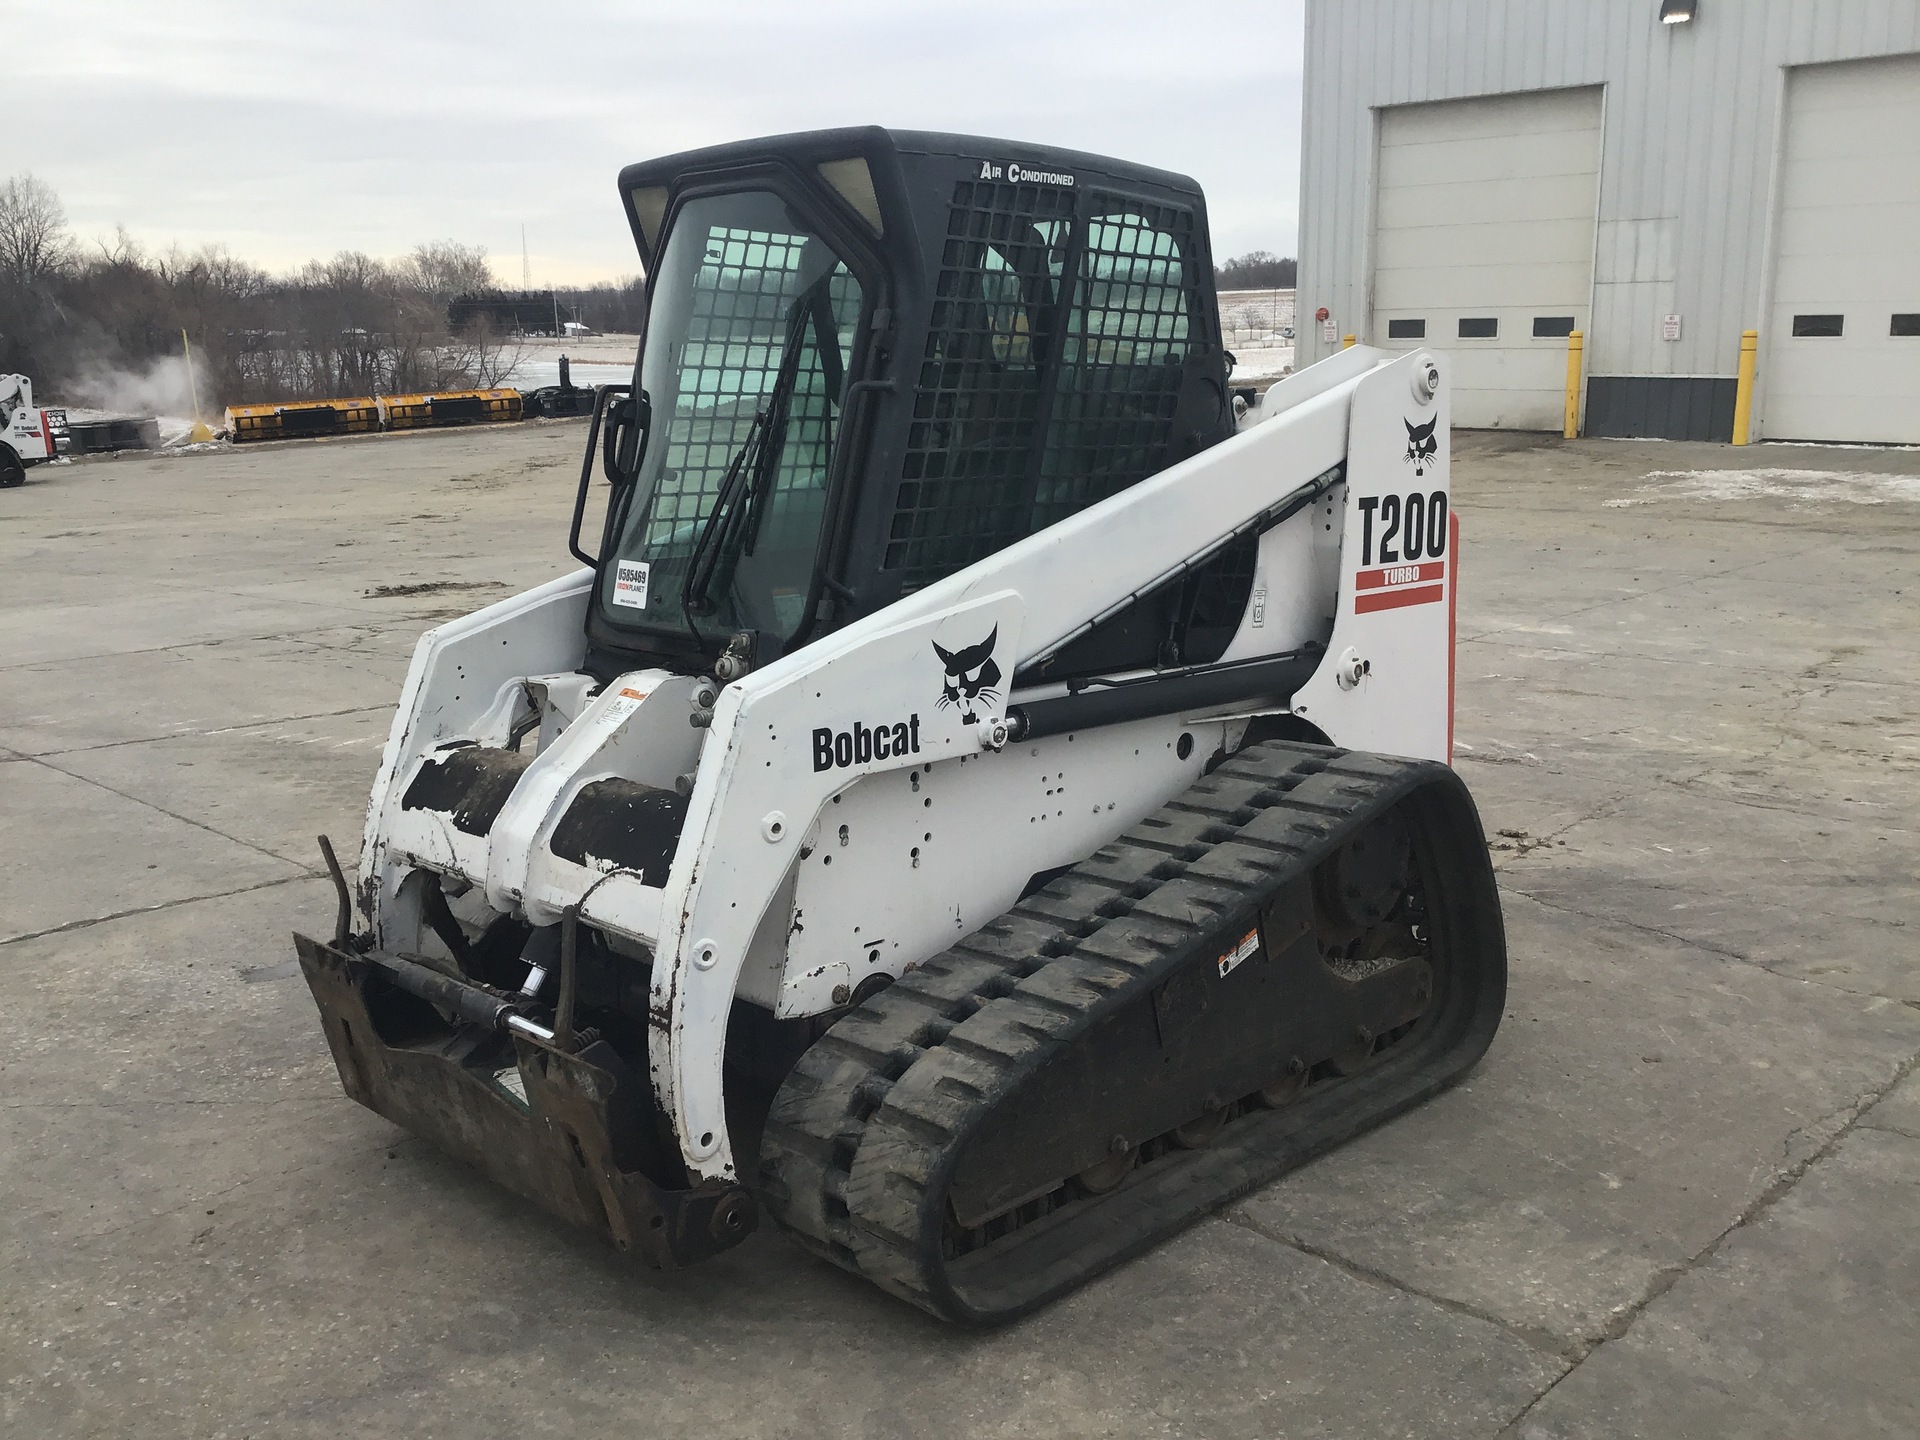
(625, 703)
(1249, 943)
(630, 583)
(1391, 586)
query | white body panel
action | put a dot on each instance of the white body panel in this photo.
(1395, 602)
(901, 865)
(1848, 244)
(1485, 210)
(460, 672)
(820, 775)
(23, 428)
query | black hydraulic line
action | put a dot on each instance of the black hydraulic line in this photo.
(1108, 702)
(469, 1002)
(1278, 513)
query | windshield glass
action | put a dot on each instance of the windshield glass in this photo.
(749, 343)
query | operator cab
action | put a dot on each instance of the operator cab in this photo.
(873, 357)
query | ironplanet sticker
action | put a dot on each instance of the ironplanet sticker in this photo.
(630, 583)
(1388, 587)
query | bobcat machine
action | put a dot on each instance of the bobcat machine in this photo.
(975, 805)
(28, 435)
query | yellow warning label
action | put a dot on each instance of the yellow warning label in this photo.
(1249, 943)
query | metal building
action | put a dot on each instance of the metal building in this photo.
(1660, 175)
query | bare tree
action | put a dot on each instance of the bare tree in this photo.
(33, 231)
(1256, 270)
(486, 357)
(108, 319)
(446, 268)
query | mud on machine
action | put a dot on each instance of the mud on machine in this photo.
(978, 805)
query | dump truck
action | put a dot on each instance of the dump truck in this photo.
(976, 805)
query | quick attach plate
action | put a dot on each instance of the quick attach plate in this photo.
(550, 1138)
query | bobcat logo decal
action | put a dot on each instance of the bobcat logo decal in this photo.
(1421, 446)
(971, 675)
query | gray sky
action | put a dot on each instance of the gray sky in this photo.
(290, 131)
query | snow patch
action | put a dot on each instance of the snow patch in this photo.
(1852, 487)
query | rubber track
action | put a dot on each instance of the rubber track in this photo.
(865, 1132)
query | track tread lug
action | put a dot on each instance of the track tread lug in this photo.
(866, 1132)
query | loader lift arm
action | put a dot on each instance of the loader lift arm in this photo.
(1032, 595)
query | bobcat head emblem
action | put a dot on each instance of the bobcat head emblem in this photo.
(1421, 446)
(971, 675)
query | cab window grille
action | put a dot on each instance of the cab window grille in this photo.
(1023, 417)
(963, 480)
(732, 355)
(1122, 357)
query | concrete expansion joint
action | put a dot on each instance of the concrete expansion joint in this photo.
(1543, 1342)
(305, 874)
(1525, 847)
(1688, 940)
(1695, 943)
(222, 730)
(1664, 1280)
(288, 635)
(161, 809)
(1688, 783)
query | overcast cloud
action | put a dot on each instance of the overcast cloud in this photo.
(287, 132)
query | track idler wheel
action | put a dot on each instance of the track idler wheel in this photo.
(1098, 1179)
(1199, 1133)
(1287, 1088)
(1354, 1057)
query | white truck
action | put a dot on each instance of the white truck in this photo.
(31, 435)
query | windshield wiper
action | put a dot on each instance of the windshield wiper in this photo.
(705, 559)
(751, 468)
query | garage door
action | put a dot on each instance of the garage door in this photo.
(1843, 343)
(1483, 244)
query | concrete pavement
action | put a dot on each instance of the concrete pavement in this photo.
(1676, 1199)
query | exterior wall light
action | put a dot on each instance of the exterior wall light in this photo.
(1677, 12)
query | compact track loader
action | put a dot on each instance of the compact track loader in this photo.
(977, 806)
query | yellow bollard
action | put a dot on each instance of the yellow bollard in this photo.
(1346, 342)
(197, 433)
(1743, 387)
(1570, 427)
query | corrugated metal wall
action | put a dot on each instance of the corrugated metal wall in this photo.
(1692, 121)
